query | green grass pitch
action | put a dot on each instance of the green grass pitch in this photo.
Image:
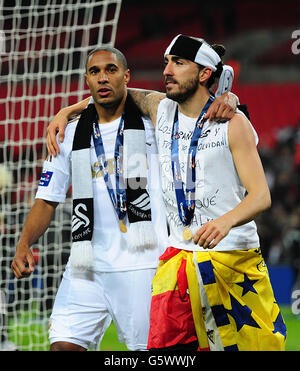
(33, 336)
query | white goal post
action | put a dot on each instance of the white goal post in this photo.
(43, 49)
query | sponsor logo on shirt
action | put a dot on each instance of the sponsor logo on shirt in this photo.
(45, 178)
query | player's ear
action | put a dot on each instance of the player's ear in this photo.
(204, 74)
(127, 76)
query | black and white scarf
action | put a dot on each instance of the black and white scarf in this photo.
(140, 235)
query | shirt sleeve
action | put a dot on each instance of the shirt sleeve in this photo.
(56, 174)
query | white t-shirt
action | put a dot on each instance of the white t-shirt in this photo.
(218, 187)
(110, 244)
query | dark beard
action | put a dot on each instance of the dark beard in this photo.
(186, 91)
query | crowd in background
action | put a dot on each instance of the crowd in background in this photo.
(279, 227)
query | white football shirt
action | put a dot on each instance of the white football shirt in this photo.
(110, 244)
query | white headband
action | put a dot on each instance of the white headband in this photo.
(195, 50)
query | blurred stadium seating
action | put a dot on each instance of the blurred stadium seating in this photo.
(258, 38)
(257, 35)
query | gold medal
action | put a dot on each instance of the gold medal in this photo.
(187, 234)
(123, 227)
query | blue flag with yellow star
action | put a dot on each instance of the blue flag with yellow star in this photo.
(238, 293)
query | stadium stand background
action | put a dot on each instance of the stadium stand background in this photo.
(258, 38)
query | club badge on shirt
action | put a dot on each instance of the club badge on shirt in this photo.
(45, 178)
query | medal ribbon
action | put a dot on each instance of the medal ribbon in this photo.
(186, 199)
(119, 199)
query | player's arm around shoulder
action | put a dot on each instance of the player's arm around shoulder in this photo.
(147, 101)
(59, 123)
(152, 101)
(242, 143)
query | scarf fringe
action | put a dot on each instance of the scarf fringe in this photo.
(141, 236)
(82, 255)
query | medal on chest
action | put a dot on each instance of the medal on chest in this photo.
(185, 198)
(187, 234)
(123, 227)
(118, 199)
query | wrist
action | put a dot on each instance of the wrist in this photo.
(229, 220)
(22, 246)
(65, 114)
(234, 98)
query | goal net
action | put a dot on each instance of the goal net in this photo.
(43, 48)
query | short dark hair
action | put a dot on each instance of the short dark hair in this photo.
(120, 56)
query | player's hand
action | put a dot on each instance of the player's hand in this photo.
(58, 124)
(223, 108)
(23, 262)
(212, 232)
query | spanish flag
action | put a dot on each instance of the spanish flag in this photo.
(222, 299)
